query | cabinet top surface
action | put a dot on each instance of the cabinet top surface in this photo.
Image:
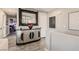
(28, 29)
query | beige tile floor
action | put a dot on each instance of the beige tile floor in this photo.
(4, 44)
(35, 46)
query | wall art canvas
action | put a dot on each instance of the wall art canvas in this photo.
(52, 21)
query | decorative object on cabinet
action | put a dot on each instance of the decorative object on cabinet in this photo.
(30, 25)
(52, 21)
(26, 15)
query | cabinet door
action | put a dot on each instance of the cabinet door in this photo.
(32, 35)
(20, 37)
(37, 34)
(26, 36)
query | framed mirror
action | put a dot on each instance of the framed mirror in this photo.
(27, 16)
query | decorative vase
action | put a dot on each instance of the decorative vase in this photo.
(30, 25)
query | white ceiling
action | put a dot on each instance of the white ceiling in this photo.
(46, 9)
(40, 9)
(10, 11)
(13, 11)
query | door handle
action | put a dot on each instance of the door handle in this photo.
(22, 34)
(38, 33)
(32, 35)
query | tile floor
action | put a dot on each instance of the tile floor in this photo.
(4, 44)
(35, 46)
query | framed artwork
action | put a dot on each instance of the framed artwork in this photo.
(73, 20)
(26, 16)
(52, 22)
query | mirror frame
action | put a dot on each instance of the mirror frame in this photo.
(27, 11)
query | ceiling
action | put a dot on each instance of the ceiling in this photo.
(13, 11)
(10, 11)
(41, 9)
(46, 9)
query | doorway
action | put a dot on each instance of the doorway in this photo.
(12, 25)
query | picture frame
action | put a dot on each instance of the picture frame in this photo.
(52, 22)
(73, 21)
(27, 15)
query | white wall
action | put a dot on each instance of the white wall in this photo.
(2, 24)
(62, 19)
(61, 22)
(42, 20)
